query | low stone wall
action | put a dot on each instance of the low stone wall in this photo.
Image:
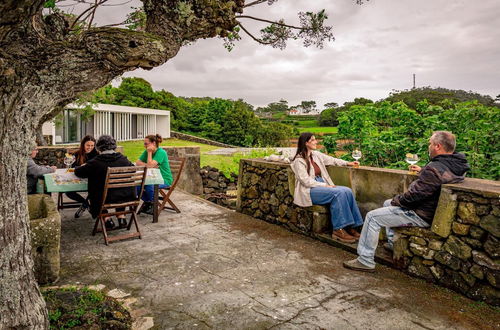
(460, 251)
(54, 155)
(192, 138)
(190, 180)
(45, 226)
(216, 186)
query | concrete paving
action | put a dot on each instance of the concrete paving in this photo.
(209, 267)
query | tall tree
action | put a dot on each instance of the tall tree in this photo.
(49, 58)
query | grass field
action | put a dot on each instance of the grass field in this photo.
(318, 129)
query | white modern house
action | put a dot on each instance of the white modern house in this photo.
(300, 111)
(122, 122)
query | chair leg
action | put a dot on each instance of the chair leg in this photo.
(97, 220)
(59, 201)
(104, 232)
(134, 219)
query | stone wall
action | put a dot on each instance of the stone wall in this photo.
(460, 251)
(192, 138)
(54, 155)
(190, 180)
(216, 186)
(45, 228)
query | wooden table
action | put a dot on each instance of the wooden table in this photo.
(62, 181)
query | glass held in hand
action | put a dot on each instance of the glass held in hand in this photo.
(356, 154)
(412, 159)
(68, 161)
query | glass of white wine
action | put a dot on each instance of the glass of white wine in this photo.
(412, 159)
(68, 160)
(356, 154)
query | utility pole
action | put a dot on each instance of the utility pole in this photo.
(414, 81)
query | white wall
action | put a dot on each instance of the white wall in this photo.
(163, 126)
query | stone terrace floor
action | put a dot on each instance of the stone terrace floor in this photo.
(210, 267)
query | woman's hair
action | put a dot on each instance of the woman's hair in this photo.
(81, 155)
(302, 148)
(155, 138)
(105, 142)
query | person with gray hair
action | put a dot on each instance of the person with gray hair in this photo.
(96, 169)
(415, 207)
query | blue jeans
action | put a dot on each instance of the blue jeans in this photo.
(149, 191)
(344, 211)
(387, 216)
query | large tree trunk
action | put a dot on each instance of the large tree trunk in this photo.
(22, 306)
(44, 66)
(40, 139)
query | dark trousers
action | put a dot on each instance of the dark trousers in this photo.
(76, 197)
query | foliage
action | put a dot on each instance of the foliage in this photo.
(386, 131)
(437, 96)
(231, 164)
(80, 308)
(227, 121)
(330, 143)
(329, 117)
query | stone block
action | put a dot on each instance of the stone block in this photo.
(401, 249)
(491, 224)
(422, 251)
(493, 277)
(418, 240)
(417, 231)
(477, 232)
(45, 228)
(448, 260)
(457, 248)
(474, 243)
(445, 213)
(495, 211)
(252, 192)
(416, 268)
(482, 259)
(482, 209)
(492, 246)
(477, 271)
(273, 200)
(471, 280)
(437, 271)
(428, 262)
(467, 212)
(435, 245)
(321, 222)
(485, 293)
(460, 228)
(454, 281)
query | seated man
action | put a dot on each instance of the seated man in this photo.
(35, 172)
(96, 169)
(417, 206)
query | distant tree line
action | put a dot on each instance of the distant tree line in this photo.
(228, 121)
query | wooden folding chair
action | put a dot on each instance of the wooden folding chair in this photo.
(176, 166)
(121, 177)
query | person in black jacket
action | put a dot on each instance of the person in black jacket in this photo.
(95, 170)
(85, 153)
(417, 206)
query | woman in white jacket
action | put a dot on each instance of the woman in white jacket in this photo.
(313, 185)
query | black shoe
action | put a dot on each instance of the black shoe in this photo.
(81, 210)
(145, 206)
(109, 224)
(122, 222)
(150, 209)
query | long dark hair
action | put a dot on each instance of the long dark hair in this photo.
(81, 156)
(302, 148)
(155, 138)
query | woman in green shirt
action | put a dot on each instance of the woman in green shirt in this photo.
(156, 157)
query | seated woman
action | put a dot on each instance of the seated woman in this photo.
(35, 172)
(154, 156)
(96, 169)
(313, 185)
(85, 153)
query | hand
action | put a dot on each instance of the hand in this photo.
(356, 163)
(54, 167)
(331, 186)
(414, 168)
(151, 148)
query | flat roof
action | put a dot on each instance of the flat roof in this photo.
(122, 109)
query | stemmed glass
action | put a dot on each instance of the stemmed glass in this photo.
(69, 159)
(356, 154)
(412, 159)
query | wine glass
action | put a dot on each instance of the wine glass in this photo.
(412, 159)
(356, 154)
(68, 160)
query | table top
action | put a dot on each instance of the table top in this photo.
(63, 181)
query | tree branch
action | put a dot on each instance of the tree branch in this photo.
(271, 22)
(260, 41)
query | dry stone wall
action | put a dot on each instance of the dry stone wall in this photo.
(461, 250)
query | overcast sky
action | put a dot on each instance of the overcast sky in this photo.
(379, 45)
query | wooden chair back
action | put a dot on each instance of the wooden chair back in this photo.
(176, 167)
(124, 177)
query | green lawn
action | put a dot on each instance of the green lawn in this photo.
(133, 149)
(317, 129)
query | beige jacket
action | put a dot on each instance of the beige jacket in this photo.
(305, 181)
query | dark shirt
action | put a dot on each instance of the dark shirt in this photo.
(317, 170)
(95, 170)
(423, 194)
